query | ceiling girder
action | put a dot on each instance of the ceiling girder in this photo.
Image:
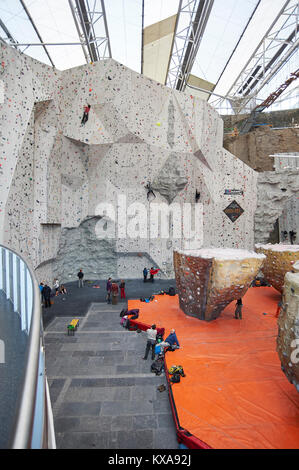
(187, 40)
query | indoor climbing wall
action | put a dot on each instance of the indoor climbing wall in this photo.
(276, 191)
(288, 327)
(280, 259)
(58, 176)
(209, 279)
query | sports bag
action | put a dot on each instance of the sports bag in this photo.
(176, 378)
(176, 370)
(157, 366)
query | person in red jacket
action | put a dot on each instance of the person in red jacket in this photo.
(122, 289)
(85, 114)
(152, 273)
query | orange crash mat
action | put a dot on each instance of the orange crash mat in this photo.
(234, 395)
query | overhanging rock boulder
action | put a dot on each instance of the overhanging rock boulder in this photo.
(288, 328)
(210, 278)
(279, 260)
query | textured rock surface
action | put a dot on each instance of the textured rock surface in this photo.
(80, 249)
(288, 328)
(208, 280)
(255, 147)
(274, 190)
(55, 173)
(170, 180)
(279, 260)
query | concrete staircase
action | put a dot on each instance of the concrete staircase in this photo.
(103, 393)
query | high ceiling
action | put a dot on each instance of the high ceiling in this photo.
(240, 51)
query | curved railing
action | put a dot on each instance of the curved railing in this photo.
(33, 427)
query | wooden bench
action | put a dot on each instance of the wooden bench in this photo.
(72, 327)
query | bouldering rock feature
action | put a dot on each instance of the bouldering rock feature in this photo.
(210, 278)
(288, 328)
(170, 180)
(279, 260)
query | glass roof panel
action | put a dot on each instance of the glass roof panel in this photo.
(16, 21)
(55, 23)
(157, 10)
(224, 31)
(260, 23)
(124, 19)
(224, 28)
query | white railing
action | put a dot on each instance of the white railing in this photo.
(33, 428)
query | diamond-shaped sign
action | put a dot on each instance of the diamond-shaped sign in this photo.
(233, 211)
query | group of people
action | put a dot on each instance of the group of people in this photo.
(153, 271)
(151, 335)
(46, 292)
(112, 289)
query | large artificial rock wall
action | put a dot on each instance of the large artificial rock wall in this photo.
(280, 259)
(288, 328)
(55, 173)
(275, 190)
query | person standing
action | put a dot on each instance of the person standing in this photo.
(122, 289)
(151, 335)
(114, 292)
(41, 286)
(47, 295)
(279, 305)
(238, 311)
(145, 273)
(108, 289)
(292, 236)
(56, 287)
(80, 276)
(152, 273)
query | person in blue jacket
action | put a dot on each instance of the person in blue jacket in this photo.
(171, 340)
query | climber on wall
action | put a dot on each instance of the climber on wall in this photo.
(85, 115)
(149, 190)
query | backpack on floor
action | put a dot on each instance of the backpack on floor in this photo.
(157, 366)
(176, 370)
(176, 378)
(123, 312)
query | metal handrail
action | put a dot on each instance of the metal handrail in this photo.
(22, 434)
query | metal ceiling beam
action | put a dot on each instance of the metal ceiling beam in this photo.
(269, 57)
(88, 20)
(250, 121)
(187, 40)
(36, 30)
(9, 37)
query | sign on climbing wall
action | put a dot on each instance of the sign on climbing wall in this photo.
(233, 211)
(233, 192)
